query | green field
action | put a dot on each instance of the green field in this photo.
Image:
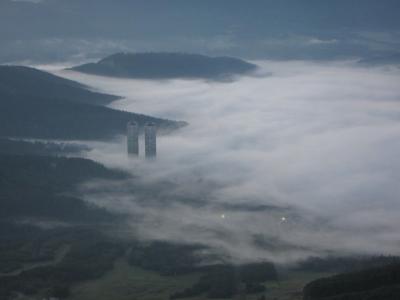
(291, 285)
(126, 282)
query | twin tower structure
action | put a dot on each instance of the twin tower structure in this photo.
(150, 139)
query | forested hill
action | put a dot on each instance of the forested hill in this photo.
(380, 283)
(167, 65)
(30, 82)
(41, 186)
(36, 104)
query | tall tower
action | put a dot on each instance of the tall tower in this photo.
(132, 130)
(150, 140)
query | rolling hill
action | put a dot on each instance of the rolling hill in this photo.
(375, 284)
(36, 104)
(167, 66)
(25, 81)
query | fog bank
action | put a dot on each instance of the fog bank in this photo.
(300, 160)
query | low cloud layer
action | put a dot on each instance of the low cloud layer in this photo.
(300, 160)
(31, 1)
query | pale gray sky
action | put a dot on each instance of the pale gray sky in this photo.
(62, 30)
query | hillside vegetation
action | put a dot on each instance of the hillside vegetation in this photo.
(36, 104)
(380, 283)
(167, 66)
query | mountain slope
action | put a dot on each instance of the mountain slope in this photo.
(36, 104)
(374, 284)
(20, 80)
(36, 186)
(167, 65)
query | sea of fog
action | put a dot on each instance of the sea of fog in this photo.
(301, 159)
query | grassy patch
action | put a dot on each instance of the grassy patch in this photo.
(126, 282)
(291, 284)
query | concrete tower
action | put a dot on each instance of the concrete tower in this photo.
(132, 130)
(150, 140)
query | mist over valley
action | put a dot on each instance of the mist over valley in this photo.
(199, 150)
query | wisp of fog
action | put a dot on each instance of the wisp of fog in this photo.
(299, 160)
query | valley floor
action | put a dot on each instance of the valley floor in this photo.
(126, 282)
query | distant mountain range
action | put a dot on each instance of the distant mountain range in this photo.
(257, 29)
(166, 66)
(37, 104)
(377, 60)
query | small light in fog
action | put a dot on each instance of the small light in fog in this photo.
(223, 216)
(283, 219)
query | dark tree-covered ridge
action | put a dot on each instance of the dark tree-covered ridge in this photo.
(35, 187)
(33, 83)
(376, 284)
(167, 65)
(36, 104)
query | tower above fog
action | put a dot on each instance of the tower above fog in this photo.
(150, 140)
(132, 130)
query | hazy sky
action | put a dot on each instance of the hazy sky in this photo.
(319, 142)
(300, 159)
(61, 30)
